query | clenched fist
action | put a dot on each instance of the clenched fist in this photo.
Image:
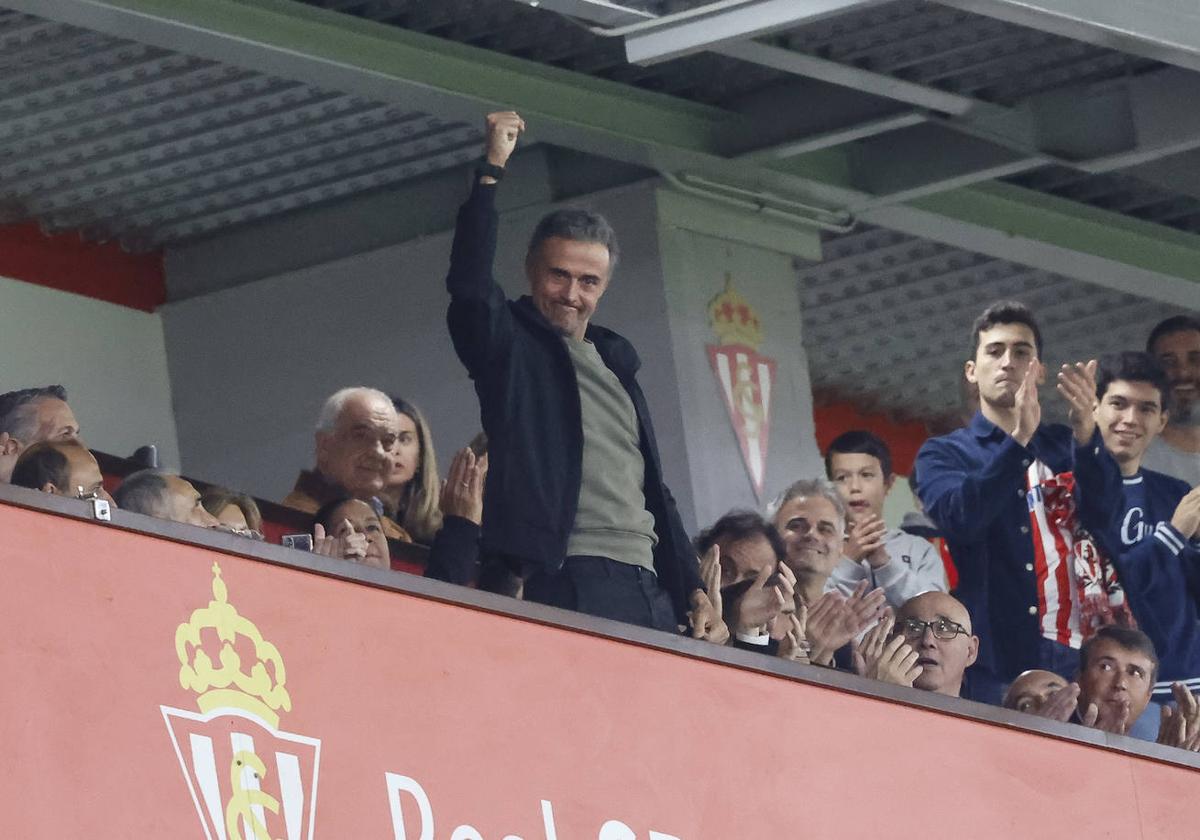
(503, 128)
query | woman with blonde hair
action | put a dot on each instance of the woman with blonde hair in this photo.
(412, 490)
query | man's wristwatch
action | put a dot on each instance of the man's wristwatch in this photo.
(489, 170)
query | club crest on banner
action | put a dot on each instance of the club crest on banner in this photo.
(248, 779)
(744, 376)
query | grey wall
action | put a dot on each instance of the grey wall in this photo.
(111, 359)
(327, 233)
(251, 365)
(696, 266)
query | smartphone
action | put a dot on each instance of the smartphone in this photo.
(300, 542)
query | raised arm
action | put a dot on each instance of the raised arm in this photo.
(1098, 488)
(454, 555)
(478, 317)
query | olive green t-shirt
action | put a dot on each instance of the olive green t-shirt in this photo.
(612, 520)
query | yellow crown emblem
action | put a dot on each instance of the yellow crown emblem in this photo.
(261, 691)
(732, 318)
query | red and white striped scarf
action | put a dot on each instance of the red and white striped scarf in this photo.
(1078, 590)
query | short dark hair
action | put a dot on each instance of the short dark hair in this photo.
(859, 442)
(14, 414)
(142, 492)
(739, 525)
(1127, 638)
(1005, 312)
(577, 224)
(42, 464)
(1131, 366)
(1174, 324)
(325, 513)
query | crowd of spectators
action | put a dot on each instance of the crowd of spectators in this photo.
(1047, 568)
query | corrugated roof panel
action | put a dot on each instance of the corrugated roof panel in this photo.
(123, 140)
(868, 308)
(117, 136)
(1119, 192)
(958, 51)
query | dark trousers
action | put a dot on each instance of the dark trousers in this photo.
(605, 588)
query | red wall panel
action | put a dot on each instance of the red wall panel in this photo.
(98, 270)
(509, 727)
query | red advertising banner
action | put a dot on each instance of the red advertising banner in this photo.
(158, 689)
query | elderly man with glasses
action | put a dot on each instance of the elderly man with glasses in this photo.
(938, 628)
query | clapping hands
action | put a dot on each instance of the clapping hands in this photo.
(884, 657)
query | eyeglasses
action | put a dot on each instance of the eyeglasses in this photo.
(944, 629)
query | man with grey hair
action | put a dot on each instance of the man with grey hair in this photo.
(811, 517)
(575, 500)
(164, 496)
(356, 430)
(29, 416)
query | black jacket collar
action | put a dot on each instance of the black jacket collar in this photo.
(617, 353)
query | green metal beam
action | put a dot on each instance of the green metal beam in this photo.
(456, 81)
(1020, 212)
(461, 82)
(409, 58)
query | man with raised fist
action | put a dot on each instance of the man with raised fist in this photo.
(575, 499)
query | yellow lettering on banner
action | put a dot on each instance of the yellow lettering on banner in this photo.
(242, 802)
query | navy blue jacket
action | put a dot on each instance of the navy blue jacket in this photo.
(972, 484)
(530, 408)
(1158, 570)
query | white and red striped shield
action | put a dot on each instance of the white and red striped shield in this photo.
(248, 781)
(746, 378)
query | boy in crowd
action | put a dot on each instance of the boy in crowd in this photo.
(860, 465)
(1153, 542)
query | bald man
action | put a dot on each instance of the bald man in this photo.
(938, 628)
(1035, 690)
(1117, 669)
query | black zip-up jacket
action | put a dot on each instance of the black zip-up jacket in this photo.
(529, 405)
